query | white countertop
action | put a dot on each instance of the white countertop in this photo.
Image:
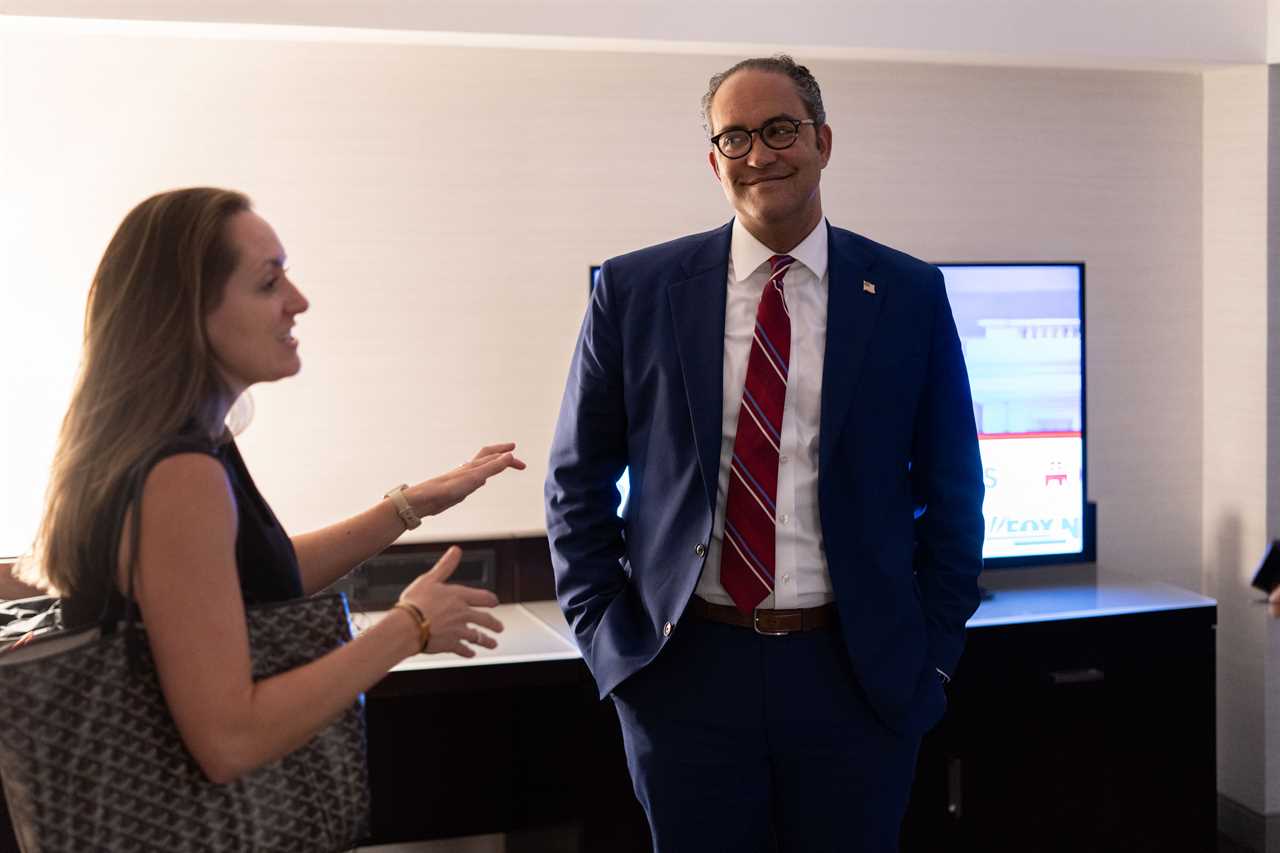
(536, 631)
(532, 632)
(1073, 592)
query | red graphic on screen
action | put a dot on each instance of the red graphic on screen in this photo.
(1055, 475)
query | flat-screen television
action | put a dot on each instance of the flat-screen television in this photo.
(1022, 329)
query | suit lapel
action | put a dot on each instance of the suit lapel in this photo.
(851, 316)
(697, 311)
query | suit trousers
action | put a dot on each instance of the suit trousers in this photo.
(741, 742)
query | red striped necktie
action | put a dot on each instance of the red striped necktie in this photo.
(750, 515)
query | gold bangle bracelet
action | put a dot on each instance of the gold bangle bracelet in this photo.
(419, 619)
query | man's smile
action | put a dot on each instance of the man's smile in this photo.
(764, 180)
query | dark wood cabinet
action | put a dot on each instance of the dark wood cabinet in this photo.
(1094, 732)
(1079, 734)
(1081, 719)
(524, 749)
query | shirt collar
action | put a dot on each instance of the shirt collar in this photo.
(748, 253)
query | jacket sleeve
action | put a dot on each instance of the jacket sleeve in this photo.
(588, 455)
(947, 491)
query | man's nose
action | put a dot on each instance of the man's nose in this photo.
(761, 154)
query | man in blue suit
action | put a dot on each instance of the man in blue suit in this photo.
(778, 610)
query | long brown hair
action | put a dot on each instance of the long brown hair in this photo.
(146, 376)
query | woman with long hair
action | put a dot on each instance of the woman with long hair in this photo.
(149, 498)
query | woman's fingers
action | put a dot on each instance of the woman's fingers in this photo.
(446, 565)
(454, 488)
(493, 450)
(491, 464)
(463, 620)
(503, 453)
(488, 620)
(480, 638)
(439, 493)
(485, 470)
(478, 597)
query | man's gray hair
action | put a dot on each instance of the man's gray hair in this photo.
(806, 85)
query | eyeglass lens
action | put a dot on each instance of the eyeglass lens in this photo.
(777, 134)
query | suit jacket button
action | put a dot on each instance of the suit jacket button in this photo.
(700, 549)
(666, 630)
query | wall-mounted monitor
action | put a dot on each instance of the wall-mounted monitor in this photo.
(1022, 329)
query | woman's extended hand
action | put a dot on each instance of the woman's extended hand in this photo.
(439, 493)
(452, 609)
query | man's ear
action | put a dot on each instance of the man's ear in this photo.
(715, 166)
(823, 140)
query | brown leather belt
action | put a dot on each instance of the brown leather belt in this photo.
(774, 623)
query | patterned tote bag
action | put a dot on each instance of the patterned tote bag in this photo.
(91, 758)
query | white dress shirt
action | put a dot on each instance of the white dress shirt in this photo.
(801, 578)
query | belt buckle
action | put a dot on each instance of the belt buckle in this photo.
(755, 624)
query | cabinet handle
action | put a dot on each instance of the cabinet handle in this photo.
(1088, 675)
(955, 788)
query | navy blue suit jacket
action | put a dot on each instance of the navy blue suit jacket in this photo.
(899, 487)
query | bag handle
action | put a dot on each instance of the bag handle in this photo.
(117, 608)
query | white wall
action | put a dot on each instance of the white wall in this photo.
(1099, 32)
(1235, 418)
(1270, 284)
(1273, 31)
(448, 276)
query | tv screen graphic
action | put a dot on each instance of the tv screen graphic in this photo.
(624, 482)
(1022, 333)
(1021, 327)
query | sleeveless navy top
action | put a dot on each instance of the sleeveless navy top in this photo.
(265, 559)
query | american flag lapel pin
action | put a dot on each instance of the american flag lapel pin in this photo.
(868, 287)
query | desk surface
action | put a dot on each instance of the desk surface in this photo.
(1070, 592)
(536, 630)
(532, 632)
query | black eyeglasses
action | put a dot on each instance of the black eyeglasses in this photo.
(776, 133)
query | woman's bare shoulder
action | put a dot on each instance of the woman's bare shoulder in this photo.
(188, 514)
(188, 478)
(187, 471)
